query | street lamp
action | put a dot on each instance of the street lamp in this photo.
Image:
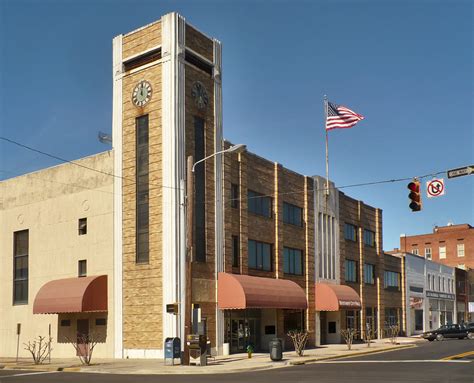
(191, 165)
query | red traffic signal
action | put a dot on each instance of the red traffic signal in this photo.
(415, 195)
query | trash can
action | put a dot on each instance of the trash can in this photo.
(172, 349)
(276, 349)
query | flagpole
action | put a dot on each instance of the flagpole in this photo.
(327, 146)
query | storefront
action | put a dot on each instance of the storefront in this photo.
(338, 307)
(256, 310)
(441, 308)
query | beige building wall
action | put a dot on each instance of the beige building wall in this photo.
(49, 204)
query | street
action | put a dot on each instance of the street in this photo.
(446, 361)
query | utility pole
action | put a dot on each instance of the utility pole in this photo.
(189, 255)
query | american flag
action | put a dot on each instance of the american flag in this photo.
(341, 117)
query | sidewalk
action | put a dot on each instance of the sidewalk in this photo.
(221, 364)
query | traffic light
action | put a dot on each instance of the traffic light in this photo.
(415, 195)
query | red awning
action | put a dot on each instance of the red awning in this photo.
(330, 297)
(72, 295)
(235, 291)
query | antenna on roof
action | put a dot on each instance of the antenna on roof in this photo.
(105, 138)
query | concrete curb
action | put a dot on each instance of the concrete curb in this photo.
(356, 354)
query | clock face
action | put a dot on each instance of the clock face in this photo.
(199, 93)
(141, 93)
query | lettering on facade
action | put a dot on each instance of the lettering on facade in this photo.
(434, 294)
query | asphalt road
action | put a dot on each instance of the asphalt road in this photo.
(423, 363)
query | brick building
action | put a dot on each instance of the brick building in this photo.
(272, 251)
(452, 245)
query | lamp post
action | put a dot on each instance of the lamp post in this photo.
(191, 165)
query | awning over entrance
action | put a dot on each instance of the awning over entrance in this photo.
(330, 297)
(235, 291)
(72, 295)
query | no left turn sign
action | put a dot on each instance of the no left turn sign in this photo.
(435, 188)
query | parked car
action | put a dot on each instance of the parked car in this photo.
(460, 331)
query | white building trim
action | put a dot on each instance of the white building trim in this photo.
(117, 145)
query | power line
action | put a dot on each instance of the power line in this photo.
(232, 199)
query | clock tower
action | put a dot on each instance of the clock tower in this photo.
(167, 105)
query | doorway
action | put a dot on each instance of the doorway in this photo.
(82, 337)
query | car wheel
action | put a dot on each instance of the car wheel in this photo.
(439, 337)
(470, 335)
(430, 339)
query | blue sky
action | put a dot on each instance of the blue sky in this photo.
(407, 66)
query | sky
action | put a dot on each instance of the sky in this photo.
(407, 66)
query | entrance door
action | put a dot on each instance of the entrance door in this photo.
(418, 320)
(82, 337)
(243, 333)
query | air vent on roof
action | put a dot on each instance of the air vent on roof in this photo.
(143, 59)
(198, 62)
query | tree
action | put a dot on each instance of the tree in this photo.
(370, 334)
(84, 346)
(299, 338)
(349, 335)
(393, 331)
(39, 348)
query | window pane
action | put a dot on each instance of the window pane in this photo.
(21, 242)
(298, 262)
(267, 257)
(21, 268)
(286, 260)
(20, 293)
(252, 254)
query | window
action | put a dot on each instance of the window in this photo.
(82, 268)
(142, 190)
(350, 232)
(293, 320)
(235, 251)
(65, 322)
(428, 252)
(369, 273)
(369, 238)
(20, 267)
(439, 283)
(100, 322)
(260, 255)
(292, 214)
(292, 261)
(461, 266)
(392, 280)
(443, 286)
(442, 252)
(82, 226)
(234, 196)
(199, 191)
(414, 251)
(259, 204)
(391, 317)
(460, 248)
(351, 270)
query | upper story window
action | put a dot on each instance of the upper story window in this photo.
(292, 214)
(442, 252)
(429, 280)
(142, 190)
(392, 280)
(259, 204)
(428, 252)
(235, 251)
(350, 232)
(350, 270)
(82, 268)
(82, 226)
(369, 238)
(260, 255)
(292, 261)
(460, 249)
(439, 283)
(369, 273)
(414, 251)
(234, 196)
(20, 267)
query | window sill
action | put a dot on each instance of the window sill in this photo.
(293, 225)
(19, 303)
(260, 215)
